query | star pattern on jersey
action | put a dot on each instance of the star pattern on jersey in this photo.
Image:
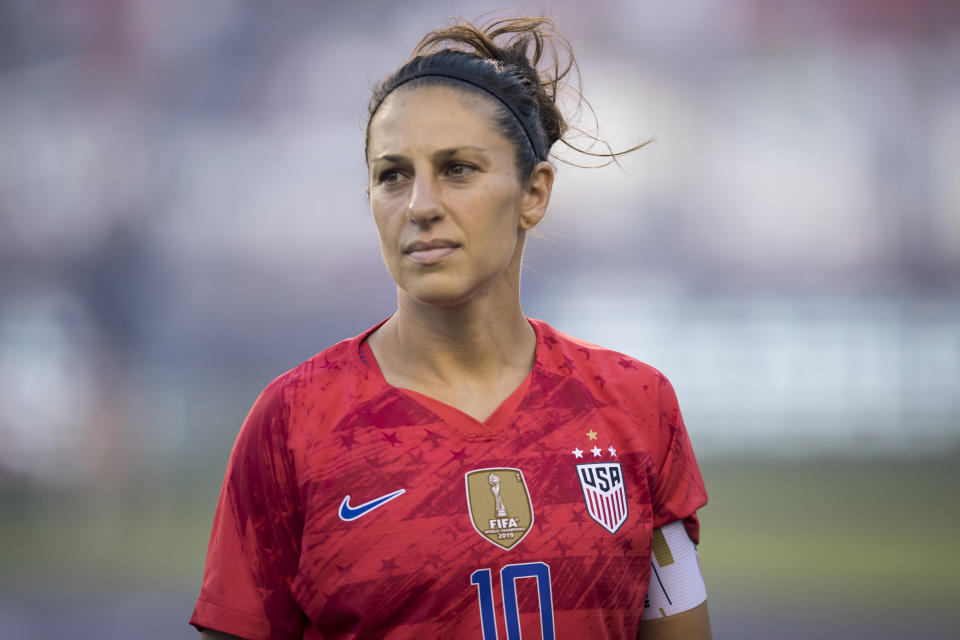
(543, 518)
(272, 556)
(390, 564)
(599, 547)
(434, 438)
(327, 363)
(597, 452)
(627, 545)
(280, 516)
(578, 517)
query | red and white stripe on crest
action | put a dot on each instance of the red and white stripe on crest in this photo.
(610, 510)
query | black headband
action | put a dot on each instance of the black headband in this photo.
(538, 149)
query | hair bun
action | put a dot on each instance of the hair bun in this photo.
(534, 63)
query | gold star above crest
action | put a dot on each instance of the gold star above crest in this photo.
(592, 434)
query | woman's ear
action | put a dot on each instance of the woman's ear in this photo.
(536, 196)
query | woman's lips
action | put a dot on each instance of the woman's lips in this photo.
(429, 256)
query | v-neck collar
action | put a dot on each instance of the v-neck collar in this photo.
(463, 423)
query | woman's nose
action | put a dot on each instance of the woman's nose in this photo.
(424, 207)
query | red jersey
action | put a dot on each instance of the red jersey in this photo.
(355, 509)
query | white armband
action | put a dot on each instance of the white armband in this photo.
(676, 584)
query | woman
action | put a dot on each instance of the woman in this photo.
(460, 470)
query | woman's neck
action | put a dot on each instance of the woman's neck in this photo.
(472, 345)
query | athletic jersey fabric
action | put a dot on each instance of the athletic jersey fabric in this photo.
(354, 509)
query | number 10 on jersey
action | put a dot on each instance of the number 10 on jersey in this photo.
(508, 577)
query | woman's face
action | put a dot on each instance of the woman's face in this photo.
(449, 206)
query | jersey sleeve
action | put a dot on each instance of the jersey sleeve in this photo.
(679, 490)
(254, 546)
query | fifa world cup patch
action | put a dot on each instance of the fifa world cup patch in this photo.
(602, 484)
(499, 505)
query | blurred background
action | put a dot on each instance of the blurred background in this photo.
(182, 218)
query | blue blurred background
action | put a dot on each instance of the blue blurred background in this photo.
(182, 218)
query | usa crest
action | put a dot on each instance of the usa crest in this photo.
(603, 491)
(499, 505)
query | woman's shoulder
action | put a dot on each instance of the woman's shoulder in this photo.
(338, 365)
(572, 354)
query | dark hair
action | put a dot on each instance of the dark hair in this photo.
(468, 58)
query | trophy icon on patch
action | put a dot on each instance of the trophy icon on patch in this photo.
(495, 489)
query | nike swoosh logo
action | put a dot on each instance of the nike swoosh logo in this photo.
(349, 513)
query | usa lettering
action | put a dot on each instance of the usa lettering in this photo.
(596, 478)
(602, 478)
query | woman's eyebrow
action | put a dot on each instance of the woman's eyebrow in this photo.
(439, 154)
(446, 153)
(390, 157)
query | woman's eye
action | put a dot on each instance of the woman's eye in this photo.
(390, 176)
(458, 169)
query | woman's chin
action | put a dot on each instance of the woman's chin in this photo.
(447, 288)
(441, 292)
(439, 297)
